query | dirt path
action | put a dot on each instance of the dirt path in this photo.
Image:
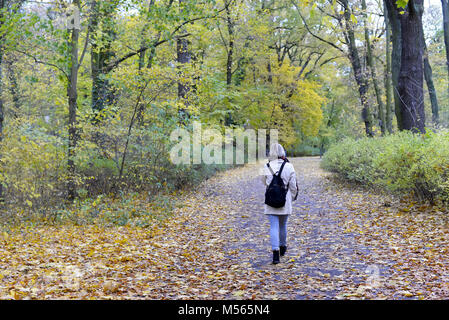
(344, 242)
(322, 258)
(320, 250)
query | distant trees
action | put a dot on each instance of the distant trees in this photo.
(103, 94)
(9, 10)
(406, 66)
(345, 23)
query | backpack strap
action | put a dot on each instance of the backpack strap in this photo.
(280, 170)
(282, 167)
(271, 170)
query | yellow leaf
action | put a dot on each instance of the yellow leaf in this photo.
(14, 294)
(239, 293)
(110, 286)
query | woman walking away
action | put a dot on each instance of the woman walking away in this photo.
(280, 178)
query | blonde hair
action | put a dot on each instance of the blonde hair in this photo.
(276, 151)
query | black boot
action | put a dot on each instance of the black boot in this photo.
(283, 250)
(276, 257)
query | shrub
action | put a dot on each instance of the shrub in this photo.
(33, 167)
(403, 163)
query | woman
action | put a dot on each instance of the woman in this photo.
(278, 216)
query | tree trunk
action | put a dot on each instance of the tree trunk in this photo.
(393, 19)
(445, 8)
(13, 87)
(270, 73)
(370, 61)
(2, 113)
(387, 79)
(72, 92)
(101, 53)
(430, 86)
(1, 101)
(230, 25)
(142, 55)
(230, 56)
(410, 84)
(359, 75)
(183, 57)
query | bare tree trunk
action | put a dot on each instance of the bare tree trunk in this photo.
(2, 113)
(142, 55)
(393, 19)
(445, 8)
(360, 77)
(1, 100)
(410, 84)
(101, 53)
(230, 55)
(72, 92)
(183, 57)
(230, 25)
(370, 61)
(387, 79)
(13, 86)
(270, 73)
(430, 86)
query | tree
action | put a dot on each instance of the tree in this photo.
(72, 93)
(410, 81)
(395, 26)
(102, 35)
(346, 20)
(3, 13)
(445, 8)
(370, 61)
(387, 73)
(430, 86)
(183, 57)
(8, 13)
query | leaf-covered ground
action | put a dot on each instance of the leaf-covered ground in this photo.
(344, 243)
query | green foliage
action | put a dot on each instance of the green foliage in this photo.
(32, 166)
(276, 83)
(401, 163)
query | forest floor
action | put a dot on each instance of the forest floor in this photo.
(344, 242)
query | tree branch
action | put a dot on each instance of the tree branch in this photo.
(85, 48)
(115, 63)
(42, 62)
(311, 33)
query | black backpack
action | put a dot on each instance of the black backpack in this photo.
(276, 193)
